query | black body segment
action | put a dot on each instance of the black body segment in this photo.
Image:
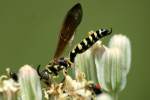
(88, 42)
(14, 76)
(54, 68)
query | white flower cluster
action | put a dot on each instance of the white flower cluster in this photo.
(8, 87)
(70, 89)
(107, 64)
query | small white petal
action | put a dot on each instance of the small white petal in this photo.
(8, 88)
(85, 61)
(69, 83)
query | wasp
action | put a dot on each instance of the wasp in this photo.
(71, 22)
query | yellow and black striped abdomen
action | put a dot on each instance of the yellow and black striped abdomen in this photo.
(88, 42)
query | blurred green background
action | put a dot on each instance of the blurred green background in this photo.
(29, 30)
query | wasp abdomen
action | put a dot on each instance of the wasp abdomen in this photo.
(88, 42)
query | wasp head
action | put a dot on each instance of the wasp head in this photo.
(44, 75)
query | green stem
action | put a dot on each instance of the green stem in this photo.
(114, 96)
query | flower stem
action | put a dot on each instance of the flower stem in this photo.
(114, 96)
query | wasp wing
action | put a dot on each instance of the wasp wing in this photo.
(72, 20)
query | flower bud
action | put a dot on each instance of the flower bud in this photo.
(114, 65)
(123, 43)
(29, 84)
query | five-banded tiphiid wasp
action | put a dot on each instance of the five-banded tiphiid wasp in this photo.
(72, 20)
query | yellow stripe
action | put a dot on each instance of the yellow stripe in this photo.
(95, 34)
(79, 47)
(85, 42)
(73, 51)
(56, 67)
(91, 32)
(100, 32)
(91, 39)
(47, 68)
